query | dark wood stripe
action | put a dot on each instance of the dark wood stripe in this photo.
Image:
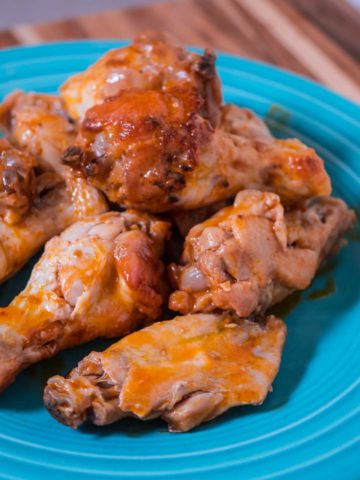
(61, 30)
(347, 64)
(264, 40)
(216, 13)
(337, 19)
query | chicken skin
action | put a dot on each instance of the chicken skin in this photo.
(187, 371)
(253, 254)
(153, 150)
(102, 277)
(17, 182)
(39, 124)
(152, 62)
(39, 196)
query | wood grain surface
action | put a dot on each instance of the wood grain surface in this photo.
(316, 38)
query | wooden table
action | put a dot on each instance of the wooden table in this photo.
(316, 38)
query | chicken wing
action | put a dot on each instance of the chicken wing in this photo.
(39, 124)
(18, 183)
(153, 61)
(187, 371)
(39, 195)
(253, 254)
(36, 205)
(152, 150)
(102, 277)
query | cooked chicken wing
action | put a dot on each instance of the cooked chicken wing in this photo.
(102, 277)
(153, 61)
(36, 205)
(38, 124)
(187, 371)
(39, 195)
(152, 150)
(253, 254)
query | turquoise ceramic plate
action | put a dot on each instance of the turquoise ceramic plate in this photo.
(309, 426)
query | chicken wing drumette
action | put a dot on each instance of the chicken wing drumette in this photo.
(187, 371)
(153, 61)
(253, 254)
(102, 277)
(152, 150)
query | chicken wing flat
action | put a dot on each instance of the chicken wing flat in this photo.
(152, 150)
(187, 371)
(253, 254)
(102, 277)
(153, 61)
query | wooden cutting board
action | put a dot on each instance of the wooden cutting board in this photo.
(316, 38)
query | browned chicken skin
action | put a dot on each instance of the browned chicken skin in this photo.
(102, 277)
(17, 182)
(251, 255)
(153, 150)
(187, 371)
(152, 62)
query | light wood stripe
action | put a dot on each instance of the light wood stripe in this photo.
(27, 34)
(302, 48)
(334, 51)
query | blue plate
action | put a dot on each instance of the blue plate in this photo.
(309, 426)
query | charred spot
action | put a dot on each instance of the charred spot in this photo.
(323, 215)
(170, 158)
(186, 167)
(72, 156)
(83, 160)
(173, 198)
(293, 244)
(179, 179)
(152, 122)
(206, 65)
(158, 183)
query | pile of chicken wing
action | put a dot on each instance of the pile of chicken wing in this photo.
(152, 196)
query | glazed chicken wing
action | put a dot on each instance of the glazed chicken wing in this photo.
(38, 124)
(102, 277)
(252, 255)
(152, 150)
(39, 196)
(153, 61)
(187, 371)
(17, 182)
